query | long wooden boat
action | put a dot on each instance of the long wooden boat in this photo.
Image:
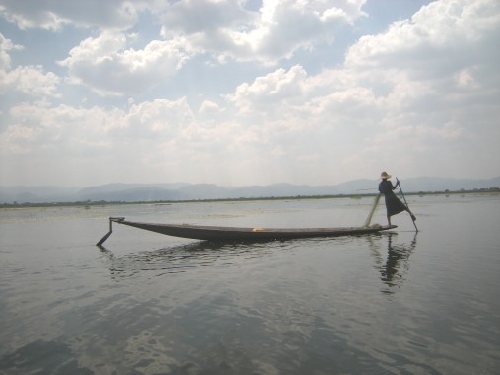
(214, 233)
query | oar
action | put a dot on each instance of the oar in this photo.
(406, 204)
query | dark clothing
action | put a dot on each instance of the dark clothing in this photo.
(392, 202)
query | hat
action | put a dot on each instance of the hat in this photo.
(385, 176)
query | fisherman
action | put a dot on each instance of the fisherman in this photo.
(392, 202)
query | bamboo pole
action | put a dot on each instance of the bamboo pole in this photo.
(372, 211)
(406, 204)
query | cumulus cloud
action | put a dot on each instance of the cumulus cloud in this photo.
(54, 14)
(439, 62)
(6, 45)
(161, 133)
(107, 64)
(421, 95)
(41, 127)
(29, 80)
(156, 119)
(390, 103)
(160, 117)
(269, 91)
(439, 35)
(229, 31)
(24, 79)
(209, 106)
(222, 30)
(16, 139)
(276, 34)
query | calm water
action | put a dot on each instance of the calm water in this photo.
(392, 303)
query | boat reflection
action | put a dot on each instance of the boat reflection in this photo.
(180, 258)
(395, 266)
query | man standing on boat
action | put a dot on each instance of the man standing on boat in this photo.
(392, 202)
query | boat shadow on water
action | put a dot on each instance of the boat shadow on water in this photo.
(393, 266)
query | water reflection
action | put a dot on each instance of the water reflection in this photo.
(42, 357)
(394, 267)
(181, 258)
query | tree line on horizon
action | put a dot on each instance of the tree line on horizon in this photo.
(88, 203)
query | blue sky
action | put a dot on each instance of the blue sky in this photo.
(247, 92)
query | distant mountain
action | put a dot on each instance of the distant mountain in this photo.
(182, 191)
(441, 184)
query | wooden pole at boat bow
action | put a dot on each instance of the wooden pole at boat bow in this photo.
(105, 237)
(111, 219)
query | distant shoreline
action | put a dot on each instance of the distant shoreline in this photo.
(88, 203)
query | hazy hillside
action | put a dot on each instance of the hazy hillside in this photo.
(181, 191)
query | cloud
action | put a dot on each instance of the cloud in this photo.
(392, 104)
(16, 139)
(106, 64)
(422, 96)
(277, 36)
(205, 16)
(229, 31)
(41, 127)
(159, 118)
(223, 28)
(55, 14)
(440, 60)
(160, 133)
(220, 31)
(7, 45)
(209, 106)
(266, 94)
(438, 35)
(29, 80)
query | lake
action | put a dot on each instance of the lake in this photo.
(398, 302)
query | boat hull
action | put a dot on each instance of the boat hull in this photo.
(214, 233)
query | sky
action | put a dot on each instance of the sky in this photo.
(247, 92)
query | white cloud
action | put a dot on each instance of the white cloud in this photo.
(154, 120)
(223, 30)
(229, 31)
(443, 34)
(29, 80)
(54, 14)
(107, 64)
(161, 134)
(465, 79)
(16, 139)
(422, 96)
(209, 106)
(278, 35)
(204, 16)
(161, 118)
(6, 45)
(24, 79)
(394, 106)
